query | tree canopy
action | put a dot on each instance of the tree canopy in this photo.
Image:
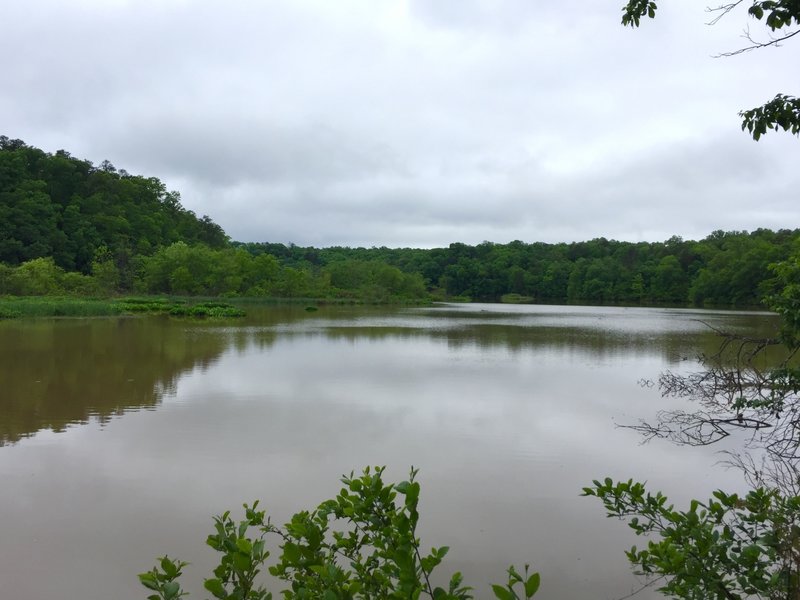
(54, 205)
(68, 227)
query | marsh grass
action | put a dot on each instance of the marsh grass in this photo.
(324, 301)
(12, 307)
(207, 309)
(56, 306)
(63, 306)
(155, 304)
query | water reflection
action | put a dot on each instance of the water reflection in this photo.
(62, 372)
(509, 411)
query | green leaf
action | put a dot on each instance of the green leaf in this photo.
(169, 567)
(532, 585)
(149, 581)
(215, 587)
(242, 562)
(502, 593)
(171, 589)
(244, 545)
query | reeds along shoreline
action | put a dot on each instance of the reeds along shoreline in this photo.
(44, 306)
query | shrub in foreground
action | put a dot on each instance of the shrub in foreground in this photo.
(730, 547)
(360, 544)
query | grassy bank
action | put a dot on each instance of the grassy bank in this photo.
(179, 306)
(45, 306)
(65, 306)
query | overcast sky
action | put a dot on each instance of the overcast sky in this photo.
(412, 123)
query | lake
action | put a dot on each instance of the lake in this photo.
(121, 437)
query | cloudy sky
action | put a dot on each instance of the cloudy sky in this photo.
(412, 122)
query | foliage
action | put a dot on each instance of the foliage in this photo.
(778, 16)
(729, 547)
(748, 384)
(207, 309)
(8, 313)
(361, 544)
(69, 228)
(147, 305)
(373, 280)
(163, 580)
(55, 306)
(786, 301)
(54, 205)
(725, 268)
(636, 9)
(782, 111)
(515, 298)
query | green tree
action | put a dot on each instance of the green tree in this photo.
(781, 17)
(105, 271)
(60, 206)
(263, 274)
(638, 287)
(37, 277)
(669, 282)
(786, 301)
(28, 221)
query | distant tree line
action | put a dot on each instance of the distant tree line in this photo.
(68, 227)
(725, 268)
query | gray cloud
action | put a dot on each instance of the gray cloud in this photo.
(385, 122)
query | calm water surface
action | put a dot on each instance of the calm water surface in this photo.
(119, 438)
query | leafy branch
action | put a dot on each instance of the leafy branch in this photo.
(375, 553)
(782, 112)
(727, 548)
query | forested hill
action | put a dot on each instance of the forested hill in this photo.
(68, 227)
(54, 205)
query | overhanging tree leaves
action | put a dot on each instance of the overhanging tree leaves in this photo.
(782, 19)
(730, 547)
(748, 384)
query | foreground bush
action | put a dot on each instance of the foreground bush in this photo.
(730, 547)
(360, 544)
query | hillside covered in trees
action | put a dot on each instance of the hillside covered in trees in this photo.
(68, 227)
(59, 206)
